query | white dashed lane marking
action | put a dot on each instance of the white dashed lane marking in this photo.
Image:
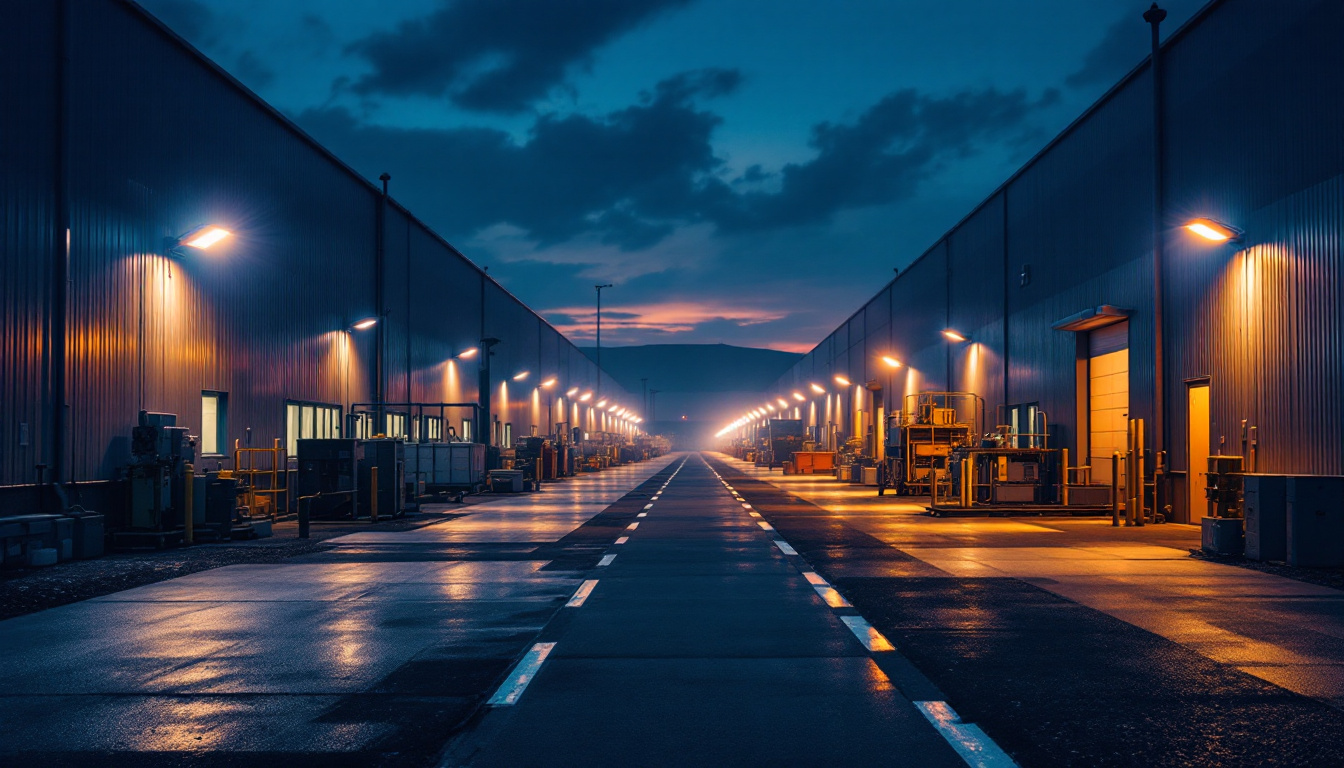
(785, 548)
(871, 638)
(508, 693)
(606, 560)
(974, 746)
(623, 539)
(585, 589)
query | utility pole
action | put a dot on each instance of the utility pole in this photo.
(599, 337)
(1154, 16)
(644, 406)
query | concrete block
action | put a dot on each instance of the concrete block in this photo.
(1265, 501)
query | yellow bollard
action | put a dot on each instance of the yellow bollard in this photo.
(189, 518)
(373, 493)
(1064, 483)
(1115, 489)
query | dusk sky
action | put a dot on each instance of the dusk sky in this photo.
(744, 171)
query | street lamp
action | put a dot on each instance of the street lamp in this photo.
(201, 238)
(1218, 232)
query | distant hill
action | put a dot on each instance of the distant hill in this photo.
(694, 367)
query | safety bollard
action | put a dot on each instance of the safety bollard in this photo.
(1115, 489)
(304, 504)
(373, 493)
(189, 517)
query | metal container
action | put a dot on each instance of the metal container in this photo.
(1265, 503)
(1222, 535)
(446, 467)
(328, 466)
(1315, 510)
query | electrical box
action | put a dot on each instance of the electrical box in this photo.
(1315, 510)
(389, 456)
(1265, 505)
(944, 417)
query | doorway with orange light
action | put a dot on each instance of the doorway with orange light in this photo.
(1197, 431)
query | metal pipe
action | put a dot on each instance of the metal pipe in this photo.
(1129, 474)
(379, 301)
(61, 252)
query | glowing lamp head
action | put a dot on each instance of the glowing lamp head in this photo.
(520, 376)
(841, 380)
(891, 361)
(365, 324)
(586, 397)
(1215, 231)
(547, 384)
(953, 335)
(467, 354)
(820, 390)
(783, 403)
(204, 237)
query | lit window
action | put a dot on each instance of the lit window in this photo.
(466, 430)
(214, 422)
(394, 425)
(305, 421)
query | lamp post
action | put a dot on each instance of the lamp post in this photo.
(1154, 16)
(599, 335)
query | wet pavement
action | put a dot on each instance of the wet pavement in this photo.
(703, 643)
(1075, 643)
(374, 653)
(694, 610)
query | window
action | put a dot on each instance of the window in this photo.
(304, 421)
(214, 422)
(466, 430)
(361, 425)
(395, 425)
(432, 429)
(508, 435)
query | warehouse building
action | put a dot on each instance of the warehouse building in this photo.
(1047, 290)
(124, 151)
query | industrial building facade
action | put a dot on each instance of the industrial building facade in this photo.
(1049, 284)
(118, 139)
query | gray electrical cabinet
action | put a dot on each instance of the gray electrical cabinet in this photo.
(1316, 521)
(1265, 504)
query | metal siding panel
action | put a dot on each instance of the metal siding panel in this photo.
(27, 222)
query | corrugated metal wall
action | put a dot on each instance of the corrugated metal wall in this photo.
(28, 133)
(160, 141)
(1254, 100)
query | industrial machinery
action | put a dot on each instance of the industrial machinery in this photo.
(386, 455)
(160, 453)
(921, 436)
(214, 503)
(783, 438)
(328, 471)
(445, 468)
(528, 456)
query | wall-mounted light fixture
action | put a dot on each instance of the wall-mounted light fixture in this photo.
(200, 238)
(841, 380)
(1218, 232)
(799, 396)
(891, 361)
(572, 392)
(820, 390)
(783, 403)
(954, 336)
(364, 325)
(467, 354)
(586, 397)
(601, 403)
(547, 384)
(521, 375)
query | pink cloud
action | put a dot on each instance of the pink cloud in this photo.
(633, 322)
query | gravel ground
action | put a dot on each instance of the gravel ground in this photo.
(26, 590)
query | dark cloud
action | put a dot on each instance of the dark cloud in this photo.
(880, 158)
(623, 176)
(496, 55)
(630, 178)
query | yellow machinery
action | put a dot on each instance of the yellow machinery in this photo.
(921, 437)
(263, 475)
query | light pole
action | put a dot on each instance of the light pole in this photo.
(1154, 17)
(599, 336)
